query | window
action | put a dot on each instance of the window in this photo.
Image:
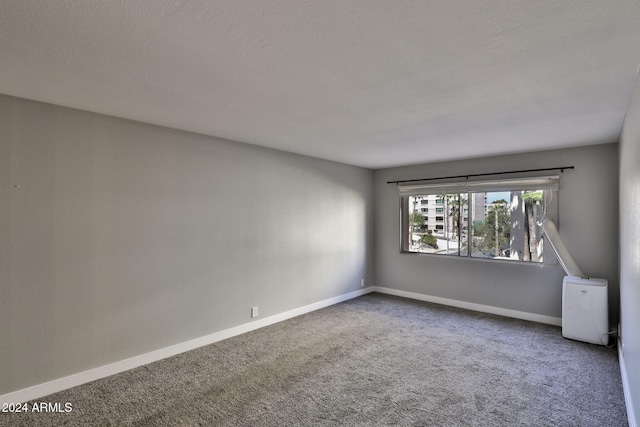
(483, 219)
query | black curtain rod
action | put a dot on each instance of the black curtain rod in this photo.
(561, 169)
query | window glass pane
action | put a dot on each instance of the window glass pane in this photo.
(441, 230)
(508, 225)
(504, 225)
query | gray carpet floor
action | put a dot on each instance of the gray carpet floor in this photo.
(374, 360)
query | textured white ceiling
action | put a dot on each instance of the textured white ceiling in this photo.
(365, 82)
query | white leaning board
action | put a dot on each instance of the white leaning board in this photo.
(585, 314)
(566, 260)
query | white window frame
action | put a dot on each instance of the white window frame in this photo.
(550, 185)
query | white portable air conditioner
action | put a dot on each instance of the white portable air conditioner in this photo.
(585, 314)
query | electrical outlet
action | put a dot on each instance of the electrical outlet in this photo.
(362, 283)
(254, 311)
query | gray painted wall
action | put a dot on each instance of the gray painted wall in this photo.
(118, 238)
(588, 224)
(630, 248)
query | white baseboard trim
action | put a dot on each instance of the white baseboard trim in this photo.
(631, 416)
(45, 389)
(556, 321)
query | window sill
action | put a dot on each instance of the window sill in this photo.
(478, 259)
